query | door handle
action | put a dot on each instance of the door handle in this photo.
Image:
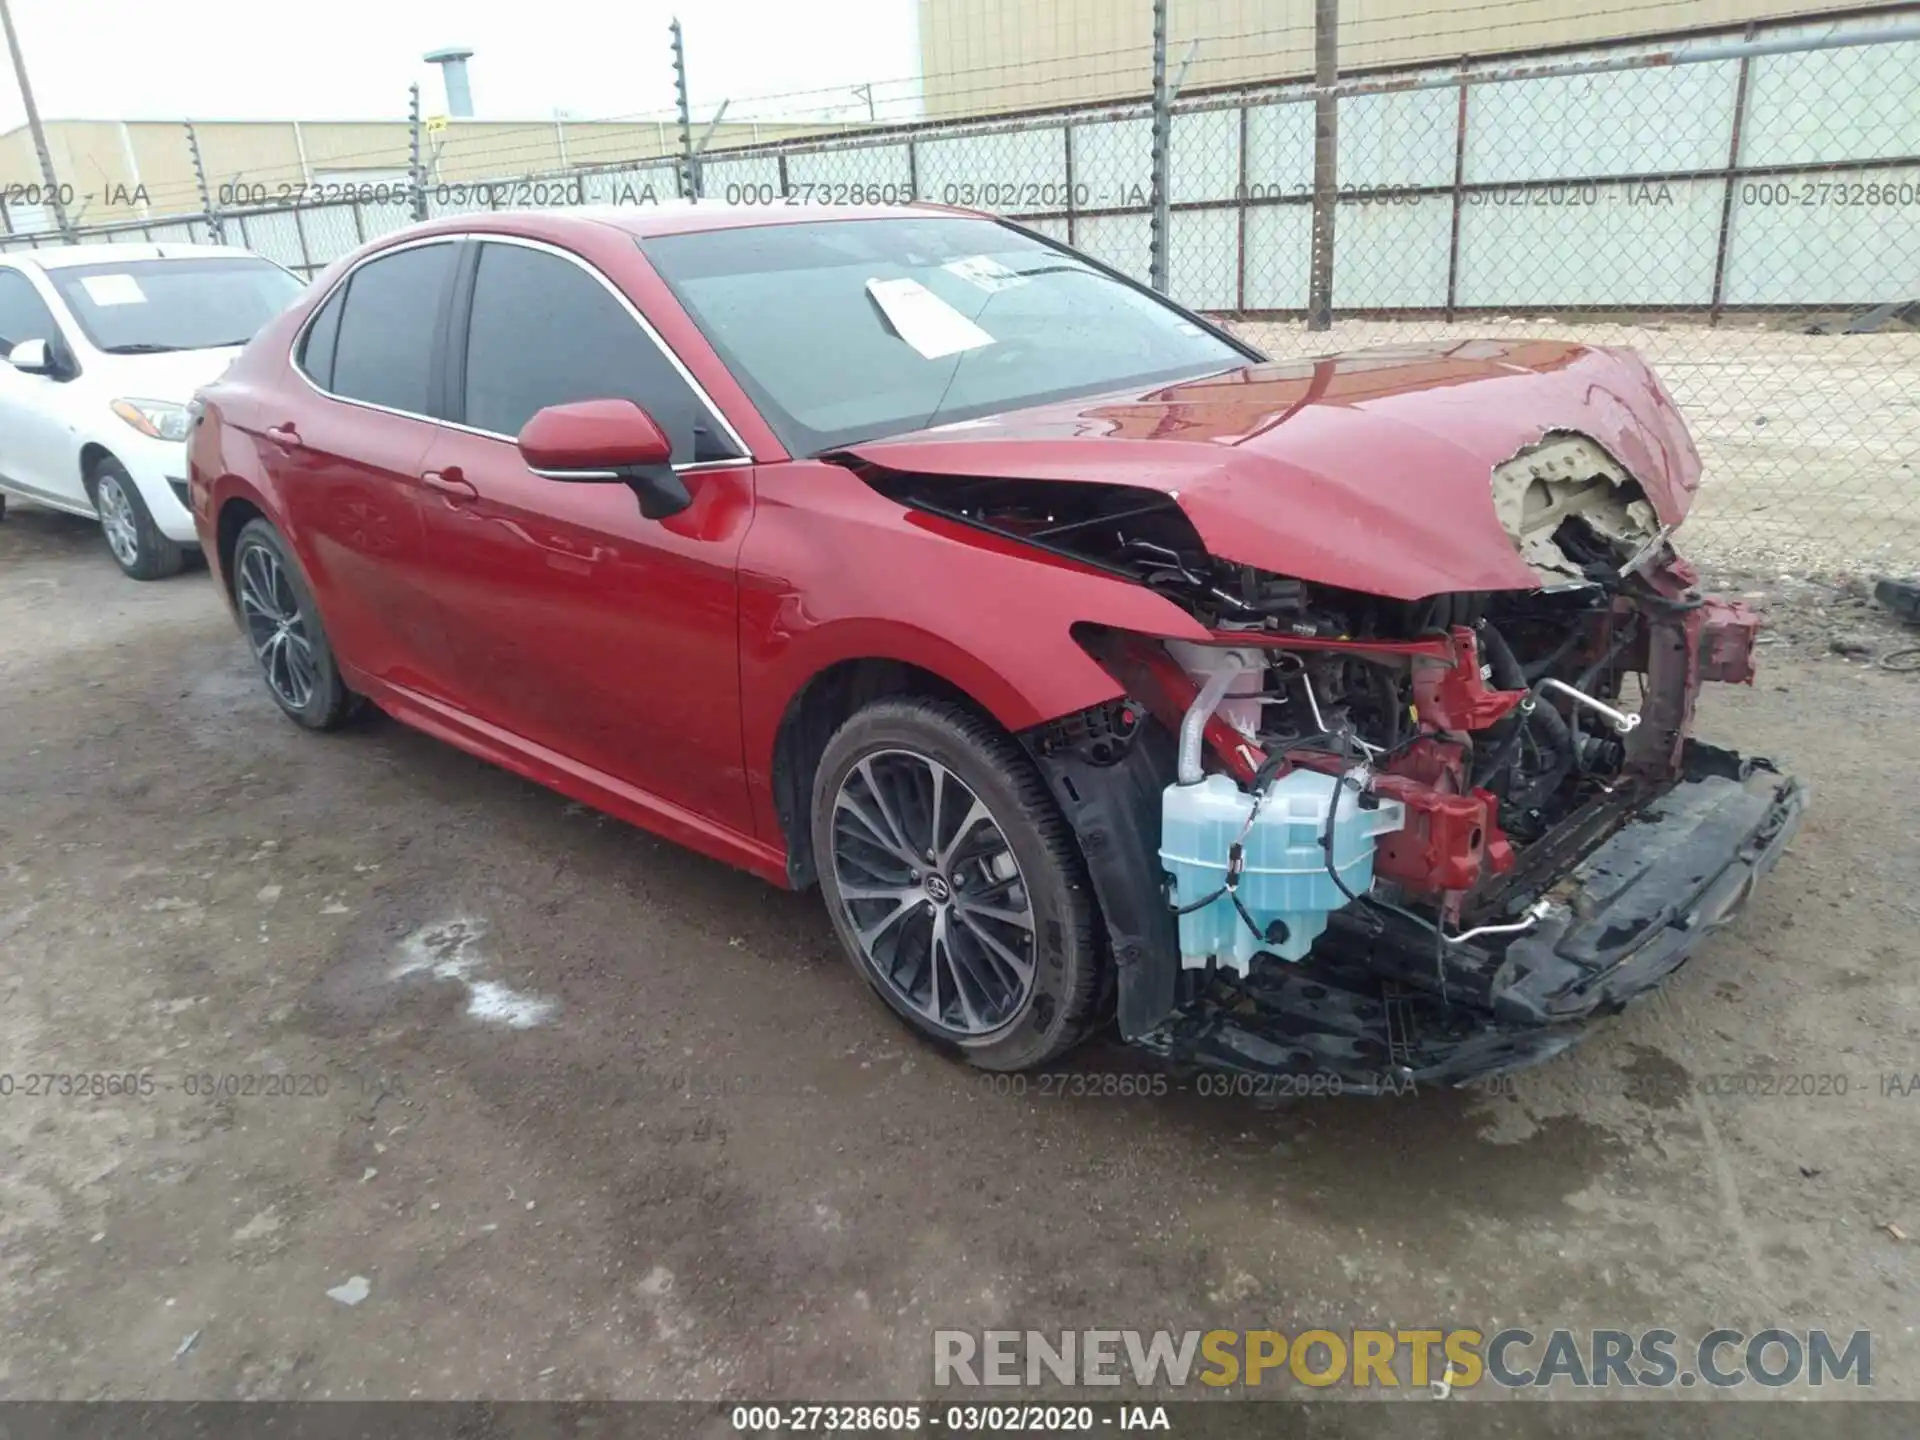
(450, 483)
(285, 436)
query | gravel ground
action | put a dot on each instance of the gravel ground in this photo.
(604, 1119)
(1811, 442)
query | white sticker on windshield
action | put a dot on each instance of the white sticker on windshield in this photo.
(113, 290)
(925, 321)
(986, 272)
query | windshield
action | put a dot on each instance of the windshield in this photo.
(139, 307)
(851, 330)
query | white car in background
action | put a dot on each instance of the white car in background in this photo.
(104, 346)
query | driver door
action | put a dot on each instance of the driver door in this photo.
(573, 622)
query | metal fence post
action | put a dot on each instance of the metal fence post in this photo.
(306, 250)
(56, 198)
(1459, 200)
(689, 166)
(1066, 173)
(416, 174)
(1162, 138)
(1240, 215)
(206, 192)
(1725, 235)
(1326, 157)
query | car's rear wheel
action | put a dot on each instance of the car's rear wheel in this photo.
(954, 883)
(283, 627)
(136, 542)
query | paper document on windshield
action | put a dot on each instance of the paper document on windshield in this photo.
(113, 290)
(985, 272)
(925, 321)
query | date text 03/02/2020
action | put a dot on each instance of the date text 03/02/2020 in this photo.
(957, 1419)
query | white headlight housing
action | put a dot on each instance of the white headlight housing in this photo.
(157, 419)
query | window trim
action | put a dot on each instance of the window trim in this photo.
(456, 311)
(339, 287)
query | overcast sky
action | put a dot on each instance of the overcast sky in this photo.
(353, 59)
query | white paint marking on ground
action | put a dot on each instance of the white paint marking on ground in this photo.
(449, 950)
(493, 1002)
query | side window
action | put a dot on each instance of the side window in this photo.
(544, 332)
(23, 314)
(316, 351)
(389, 329)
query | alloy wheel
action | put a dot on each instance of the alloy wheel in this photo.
(117, 520)
(932, 893)
(276, 627)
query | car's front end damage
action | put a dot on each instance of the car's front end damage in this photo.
(1426, 800)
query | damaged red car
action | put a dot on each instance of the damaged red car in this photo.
(1328, 717)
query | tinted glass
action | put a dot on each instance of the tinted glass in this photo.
(854, 329)
(544, 332)
(23, 314)
(139, 307)
(389, 329)
(316, 351)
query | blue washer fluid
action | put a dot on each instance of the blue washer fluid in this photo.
(1284, 874)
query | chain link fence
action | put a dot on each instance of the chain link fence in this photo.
(1743, 211)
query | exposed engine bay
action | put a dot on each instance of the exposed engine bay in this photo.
(1399, 838)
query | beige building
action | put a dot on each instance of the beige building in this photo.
(112, 170)
(983, 56)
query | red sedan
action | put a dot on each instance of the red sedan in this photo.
(1325, 720)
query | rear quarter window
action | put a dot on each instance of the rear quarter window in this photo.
(389, 329)
(316, 350)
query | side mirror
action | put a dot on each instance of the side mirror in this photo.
(32, 357)
(606, 441)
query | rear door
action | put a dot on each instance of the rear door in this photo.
(574, 622)
(39, 449)
(347, 459)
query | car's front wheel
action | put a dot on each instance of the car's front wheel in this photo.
(136, 542)
(954, 883)
(283, 627)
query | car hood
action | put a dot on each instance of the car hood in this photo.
(1372, 470)
(173, 375)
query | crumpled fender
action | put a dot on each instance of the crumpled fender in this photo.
(831, 571)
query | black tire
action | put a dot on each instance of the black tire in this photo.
(134, 541)
(1049, 887)
(325, 702)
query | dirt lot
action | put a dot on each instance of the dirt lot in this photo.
(604, 1119)
(1811, 442)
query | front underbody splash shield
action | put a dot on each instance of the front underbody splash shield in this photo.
(1625, 917)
